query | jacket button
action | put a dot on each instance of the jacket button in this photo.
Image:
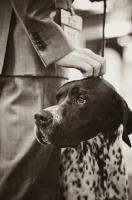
(37, 41)
(35, 34)
(41, 47)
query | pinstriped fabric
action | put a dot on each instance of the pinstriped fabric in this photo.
(27, 169)
(5, 16)
(23, 55)
(36, 16)
(22, 59)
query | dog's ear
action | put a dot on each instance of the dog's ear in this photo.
(126, 117)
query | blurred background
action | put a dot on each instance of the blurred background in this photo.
(118, 50)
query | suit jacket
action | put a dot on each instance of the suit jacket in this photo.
(35, 40)
(29, 42)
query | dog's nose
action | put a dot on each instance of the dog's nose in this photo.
(43, 117)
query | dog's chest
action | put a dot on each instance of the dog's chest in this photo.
(95, 170)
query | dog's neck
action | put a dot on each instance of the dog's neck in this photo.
(112, 125)
(129, 123)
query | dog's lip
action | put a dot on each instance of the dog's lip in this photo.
(38, 122)
(41, 141)
(41, 138)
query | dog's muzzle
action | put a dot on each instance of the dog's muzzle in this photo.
(42, 119)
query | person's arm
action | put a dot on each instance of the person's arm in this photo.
(49, 40)
(36, 19)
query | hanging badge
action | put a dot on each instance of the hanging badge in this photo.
(72, 26)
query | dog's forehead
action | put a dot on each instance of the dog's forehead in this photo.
(94, 84)
(77, 84)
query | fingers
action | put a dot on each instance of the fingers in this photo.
(86, 69)
(89, 66)
(95, 66)
(89, 63)
(96, 61)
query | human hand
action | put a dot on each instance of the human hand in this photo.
(85, 60)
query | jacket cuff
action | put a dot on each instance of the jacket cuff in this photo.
(50, 42)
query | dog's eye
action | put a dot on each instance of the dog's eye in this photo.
(80, 100)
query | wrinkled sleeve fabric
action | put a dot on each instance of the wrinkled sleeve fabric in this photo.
(48, 39)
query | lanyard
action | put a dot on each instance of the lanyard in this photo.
(71, 9)
(103, 30)
(103, 43)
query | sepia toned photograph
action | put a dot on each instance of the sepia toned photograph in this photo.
(65, 99)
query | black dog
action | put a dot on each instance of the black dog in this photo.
(85, 108)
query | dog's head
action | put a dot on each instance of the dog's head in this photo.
(85, 108)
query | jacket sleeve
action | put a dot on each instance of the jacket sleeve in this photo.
(47, 37)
